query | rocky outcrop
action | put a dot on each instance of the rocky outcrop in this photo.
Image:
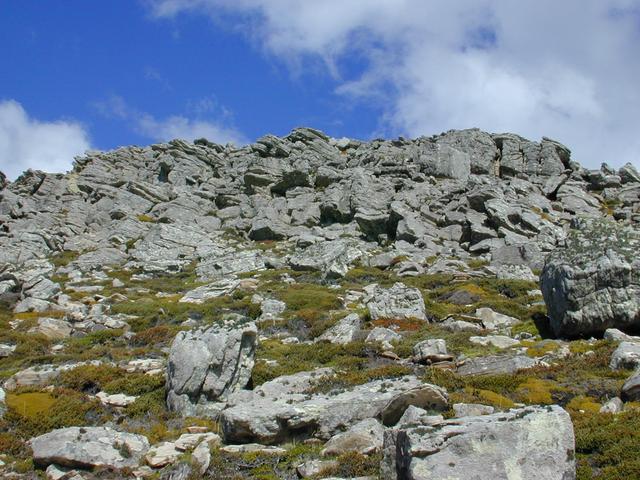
(593, 282)
(206, 366)
(270, 417)
(531, 442)
(88, 447)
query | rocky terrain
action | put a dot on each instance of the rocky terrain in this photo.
(455, 307)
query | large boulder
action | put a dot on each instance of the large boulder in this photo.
(399, 301)
(89, 447)
(277, 415)
(593, 282)
(531, 442)
(206, 366)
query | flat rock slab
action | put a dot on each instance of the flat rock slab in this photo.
(495, 365)
(89, 447)
(268, 420)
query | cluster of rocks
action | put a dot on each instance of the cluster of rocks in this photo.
(332, 202)
(310, 203)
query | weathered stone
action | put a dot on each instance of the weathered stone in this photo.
(268, 419)
(626, 356)
(471, 409)
(399, 301)
(614, 405)
(495, 365)
(364, 437)
(161, 455)
(593, 283)
(88, 447)
(345, 331)
(498, 341)
(532, 442)
(208, 365)
(495, 321)
(430, 350)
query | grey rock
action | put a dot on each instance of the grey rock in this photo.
(430, 350)
(313, 468)
(626, 356)
(382, 335)
(593, 283)
(495, 321)
(89, 447)
(615, 335)
(52, 328)
(629, 174)
(330, 257)
(271, 420)
(471, 409)
(532, 442)
(212, 290)
(495, 365)
(460, 326)
(631, 389)
(271, 309)
(208, 365)
(365, 437)
(399, 301)
(498, 341)
(614, 405)
(343, 332)
(201, 456)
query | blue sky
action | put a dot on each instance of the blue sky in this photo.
(79, 74)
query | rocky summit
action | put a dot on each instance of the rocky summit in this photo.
(463, 306)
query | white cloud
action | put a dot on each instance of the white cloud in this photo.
(172, 127)
(29, 143)
(567, 70)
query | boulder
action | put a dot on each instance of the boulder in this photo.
(471, 409)
(495, 365)
(399, 301)
(631, 389)
(531, 442)
(207, 365)
(593, 282)
(430, 350)
(271, 417)
(364, 437)
(343, 332)
(498, 341)
(495, 321)
(626, 356)
(329, 257)
(88, 447)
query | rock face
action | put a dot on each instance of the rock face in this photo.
(532, 442)
(593, 283)
(89, 447)
(399, 301)
(274, 416)
(207, 365)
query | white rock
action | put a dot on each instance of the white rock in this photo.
(498, 341)
(163, 454)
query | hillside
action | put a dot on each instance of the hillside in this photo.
(310, 307)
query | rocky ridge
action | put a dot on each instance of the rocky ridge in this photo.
(315, 307)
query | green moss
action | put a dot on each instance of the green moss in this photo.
(146, 218)
(64, 258)
(302, 357)
(69, 408)
(346, 379)
(352, 465)
(607, 445)
(30, 404)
